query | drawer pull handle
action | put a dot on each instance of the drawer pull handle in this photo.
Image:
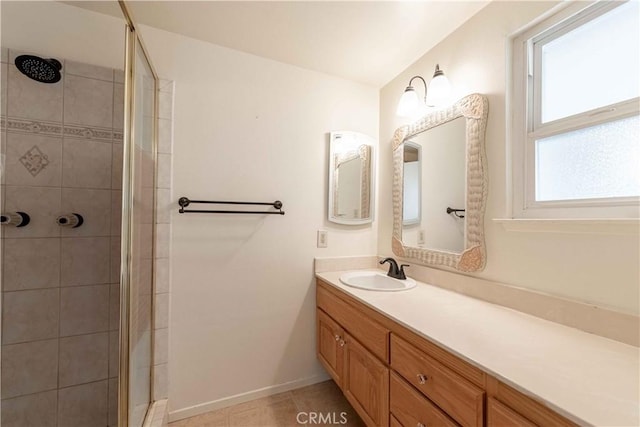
(420, 425)
(342, 343)
(422, 379)
(337, 337)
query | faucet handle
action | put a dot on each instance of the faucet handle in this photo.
(401, 271)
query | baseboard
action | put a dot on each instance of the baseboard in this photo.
(202, 408)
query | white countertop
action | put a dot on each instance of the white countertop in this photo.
(589, 379)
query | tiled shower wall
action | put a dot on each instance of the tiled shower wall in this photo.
(62, 152)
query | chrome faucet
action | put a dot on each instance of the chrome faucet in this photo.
(395, 271)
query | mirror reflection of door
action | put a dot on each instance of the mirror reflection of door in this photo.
(412, 186)
(442, 181)
(350, 178)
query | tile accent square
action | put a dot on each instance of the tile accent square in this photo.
(84, 310)
(31, 264)
(33, 160)
(83, 359)
(29, 368)
(41, 203)
(32, 100)
(95, 208)
(88, 102)
(85, 261)
(30, 315)
(33, 410)
(87, 164)
(83, 405)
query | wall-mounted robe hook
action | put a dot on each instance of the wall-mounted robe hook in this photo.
(70, 220)
(15, 219)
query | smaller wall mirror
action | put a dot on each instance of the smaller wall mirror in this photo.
(350, 178)
(439, 186)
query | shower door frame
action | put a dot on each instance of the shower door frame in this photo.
(133, 41)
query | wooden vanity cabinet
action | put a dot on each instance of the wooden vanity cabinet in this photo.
(394, 377)
(366, 383)
(330, 341)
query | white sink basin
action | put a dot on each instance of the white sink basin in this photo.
(376, 281)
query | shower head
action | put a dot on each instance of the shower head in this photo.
(39, 69)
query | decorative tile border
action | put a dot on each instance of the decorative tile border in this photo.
(12, 124)
(75, 131)
(33, 126)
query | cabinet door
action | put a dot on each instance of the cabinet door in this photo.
(499, 415)
(329, 345)
(366, 384)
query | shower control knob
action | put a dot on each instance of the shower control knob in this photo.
(15, 219)
(70, 220)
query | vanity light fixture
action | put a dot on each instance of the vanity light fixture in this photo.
(437, 94)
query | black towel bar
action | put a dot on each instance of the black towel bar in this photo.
(185, 201)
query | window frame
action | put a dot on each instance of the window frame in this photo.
(526, 125)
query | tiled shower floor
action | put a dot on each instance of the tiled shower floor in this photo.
(281, 410)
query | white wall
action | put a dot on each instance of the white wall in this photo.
(247, 128)
(58, 30)
(595, 268)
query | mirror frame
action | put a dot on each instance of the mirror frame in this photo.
(367, 179)
(474, 108)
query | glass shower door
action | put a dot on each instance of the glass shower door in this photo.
(138, 237)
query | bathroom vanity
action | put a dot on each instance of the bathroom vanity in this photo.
(430, 357)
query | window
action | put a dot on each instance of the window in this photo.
(575, 103)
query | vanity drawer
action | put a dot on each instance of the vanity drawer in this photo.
(368, 332)
(410, 408)
(460, 399)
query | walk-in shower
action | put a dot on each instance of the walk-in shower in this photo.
(77, 218)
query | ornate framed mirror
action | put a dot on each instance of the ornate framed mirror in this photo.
(453, 186)
(350, 178)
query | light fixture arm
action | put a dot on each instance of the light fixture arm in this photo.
(423, 82)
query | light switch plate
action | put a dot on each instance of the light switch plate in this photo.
(323, 235)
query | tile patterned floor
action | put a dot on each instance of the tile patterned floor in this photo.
(281, 410)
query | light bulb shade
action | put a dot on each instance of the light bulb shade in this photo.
(409, 103)
(439, 91)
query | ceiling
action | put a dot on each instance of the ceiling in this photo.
(365, 41)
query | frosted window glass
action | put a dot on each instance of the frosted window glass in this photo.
(594, 65)
(596, 162)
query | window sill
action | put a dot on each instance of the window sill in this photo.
(571, 226)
